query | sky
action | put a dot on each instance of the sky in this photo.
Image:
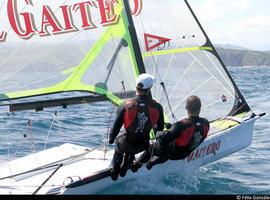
(243, 23)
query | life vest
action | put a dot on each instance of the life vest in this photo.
(193, 134)
(139, 118)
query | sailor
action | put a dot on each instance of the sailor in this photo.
(139, 115)
(179, 140)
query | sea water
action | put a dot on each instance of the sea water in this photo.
(245, 172)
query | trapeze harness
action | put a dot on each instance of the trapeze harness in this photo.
(140, 117)
(194, 133)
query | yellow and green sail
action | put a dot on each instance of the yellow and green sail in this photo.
(107, 61)
(90, 71)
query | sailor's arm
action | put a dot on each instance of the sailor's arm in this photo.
(171, 134)
(206, 126)
(160, 122)
(119, 120)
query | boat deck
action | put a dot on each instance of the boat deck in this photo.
(66, 160)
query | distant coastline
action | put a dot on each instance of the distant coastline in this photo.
(243, 57)
(233, 56)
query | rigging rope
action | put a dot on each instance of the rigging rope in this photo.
(211, 74)
(25, 136)
(107, 135)
(167, 98)
(110, 120)
(162, 83)
(49, 132)
(31, 135)
(47, 179)
(123, 89)
(219, 77)
(163, 88)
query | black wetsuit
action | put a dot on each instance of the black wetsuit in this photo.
(139, 116)
(178, 142)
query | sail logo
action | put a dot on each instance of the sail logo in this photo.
(154, 41)
(59, 19)
(204, 151)
(142, 119)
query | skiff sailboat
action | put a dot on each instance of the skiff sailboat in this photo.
(174, 47)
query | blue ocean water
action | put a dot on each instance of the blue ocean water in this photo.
(245, 172)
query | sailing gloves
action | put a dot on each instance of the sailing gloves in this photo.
(168, 125)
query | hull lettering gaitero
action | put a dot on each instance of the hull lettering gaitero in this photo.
(211, 149)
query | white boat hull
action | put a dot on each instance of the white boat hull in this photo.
(53, 177)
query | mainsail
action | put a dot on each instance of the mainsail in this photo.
(178, 52)
(107, 66)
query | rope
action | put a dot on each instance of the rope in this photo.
(168, 101)
(47, 179)
(107, 135)
(31, 135)
(123, 91)
(49, 132)
(162, 83)
(25, 135)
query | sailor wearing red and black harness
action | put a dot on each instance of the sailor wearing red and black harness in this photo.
(138, 115)
(180, 140)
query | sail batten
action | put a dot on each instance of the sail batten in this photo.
(175, 51)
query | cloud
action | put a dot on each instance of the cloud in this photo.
(236, 22)
(211, 10)
(252, 31)
(253, 24)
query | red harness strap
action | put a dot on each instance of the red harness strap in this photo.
(154, 115)
(132, 111)
(187, 135)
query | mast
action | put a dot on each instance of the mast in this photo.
(134, 38)
(71, 77)
(241, 105)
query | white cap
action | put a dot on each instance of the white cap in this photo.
(145, 81)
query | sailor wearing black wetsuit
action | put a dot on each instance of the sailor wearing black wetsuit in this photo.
(139, 115)
(180, 140)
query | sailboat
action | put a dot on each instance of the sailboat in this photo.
(172, 47)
